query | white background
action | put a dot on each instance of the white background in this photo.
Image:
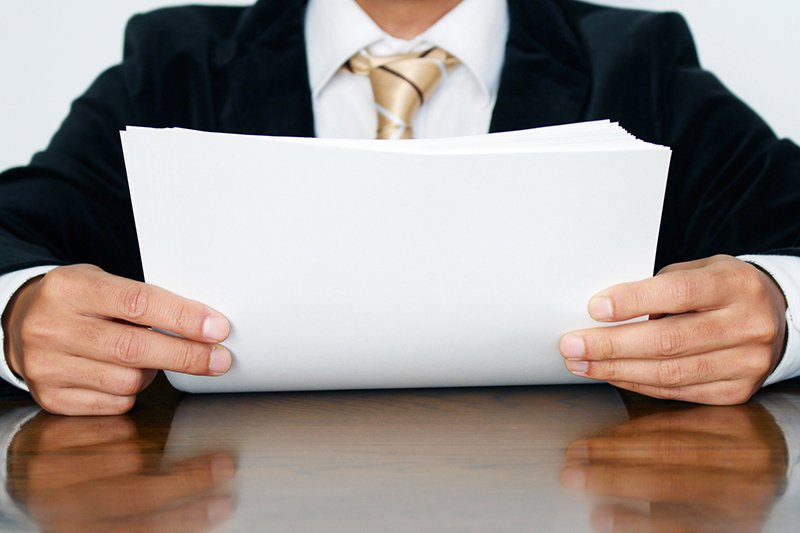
(51, 50)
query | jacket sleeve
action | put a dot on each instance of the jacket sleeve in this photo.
(71, 203)
(734, 187)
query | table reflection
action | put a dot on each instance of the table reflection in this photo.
(697, 468)
(104, 474)
(458, 460)
(571, 458)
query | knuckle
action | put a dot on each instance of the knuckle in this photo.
(124, 383)
(129, 383)
(637, 302)
(49, 401)
(669, 373)
(63, 280)
(670, 393)
(183, 318)
(117, 406)
(192, 358)
(33, 329)
(670, 341)
(742, 397)
(685, 289)
(39, 370)
(601, 345)
(127, 347)
(54, 281)
(103, 405)
(735, 395)
(610, 370)
(758, 364)
(760, 328)
(743, 279)
(703, 367)
(749, 277)
(134, 301)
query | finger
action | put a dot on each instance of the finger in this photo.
(97, 293)
(673, 336)
(637, 482)
(674, 292)
(697, 263)
(133, 347)
(79, 402)
(717, 393)
(656, 482)
(619, 518)
(103, 377)
(674, 517)
(62, 371)
(688, 265)
(206, 513)
(59, 433)
(726, 365)
(676, 448)
(149, 493)
(721, 422)
(109, 460)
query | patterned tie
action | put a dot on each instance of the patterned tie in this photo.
(401, 83)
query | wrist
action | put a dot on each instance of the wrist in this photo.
(780, 305)
(785, 271)
(11, 318)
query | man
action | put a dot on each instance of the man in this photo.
(72, 333)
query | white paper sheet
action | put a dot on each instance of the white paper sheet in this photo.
(376, 264)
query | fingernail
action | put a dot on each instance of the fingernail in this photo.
(216, 328)
(220, 361)
(222, 468)
(603, 521)
(574, 478)
(218, 510)
(578, 451)
(573, 347)
(578, 367)
(601, 308)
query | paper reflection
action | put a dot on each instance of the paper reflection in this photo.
(442, 460)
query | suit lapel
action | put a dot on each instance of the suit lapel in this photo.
(266, 73)
(545, 78)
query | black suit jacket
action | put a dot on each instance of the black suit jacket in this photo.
(733, 187)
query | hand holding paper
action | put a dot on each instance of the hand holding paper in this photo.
(76, 338)
(718, 333)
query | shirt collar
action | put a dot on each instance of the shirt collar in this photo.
(474, 31)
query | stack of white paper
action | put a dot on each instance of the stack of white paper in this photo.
(366, 264)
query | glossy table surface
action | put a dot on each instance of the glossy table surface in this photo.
(571, 458)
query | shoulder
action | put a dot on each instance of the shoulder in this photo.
(607, 32)
(181, 27)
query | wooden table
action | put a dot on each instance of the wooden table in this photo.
(571, 458)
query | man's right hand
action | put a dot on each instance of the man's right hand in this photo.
(79, 338)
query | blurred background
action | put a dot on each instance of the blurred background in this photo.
(51, 50)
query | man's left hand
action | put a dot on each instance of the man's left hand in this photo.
(716, 331)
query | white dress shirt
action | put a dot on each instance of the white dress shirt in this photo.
(475, 31)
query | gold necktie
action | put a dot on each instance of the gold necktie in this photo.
(401, 83)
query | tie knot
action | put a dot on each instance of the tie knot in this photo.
(401, 83)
